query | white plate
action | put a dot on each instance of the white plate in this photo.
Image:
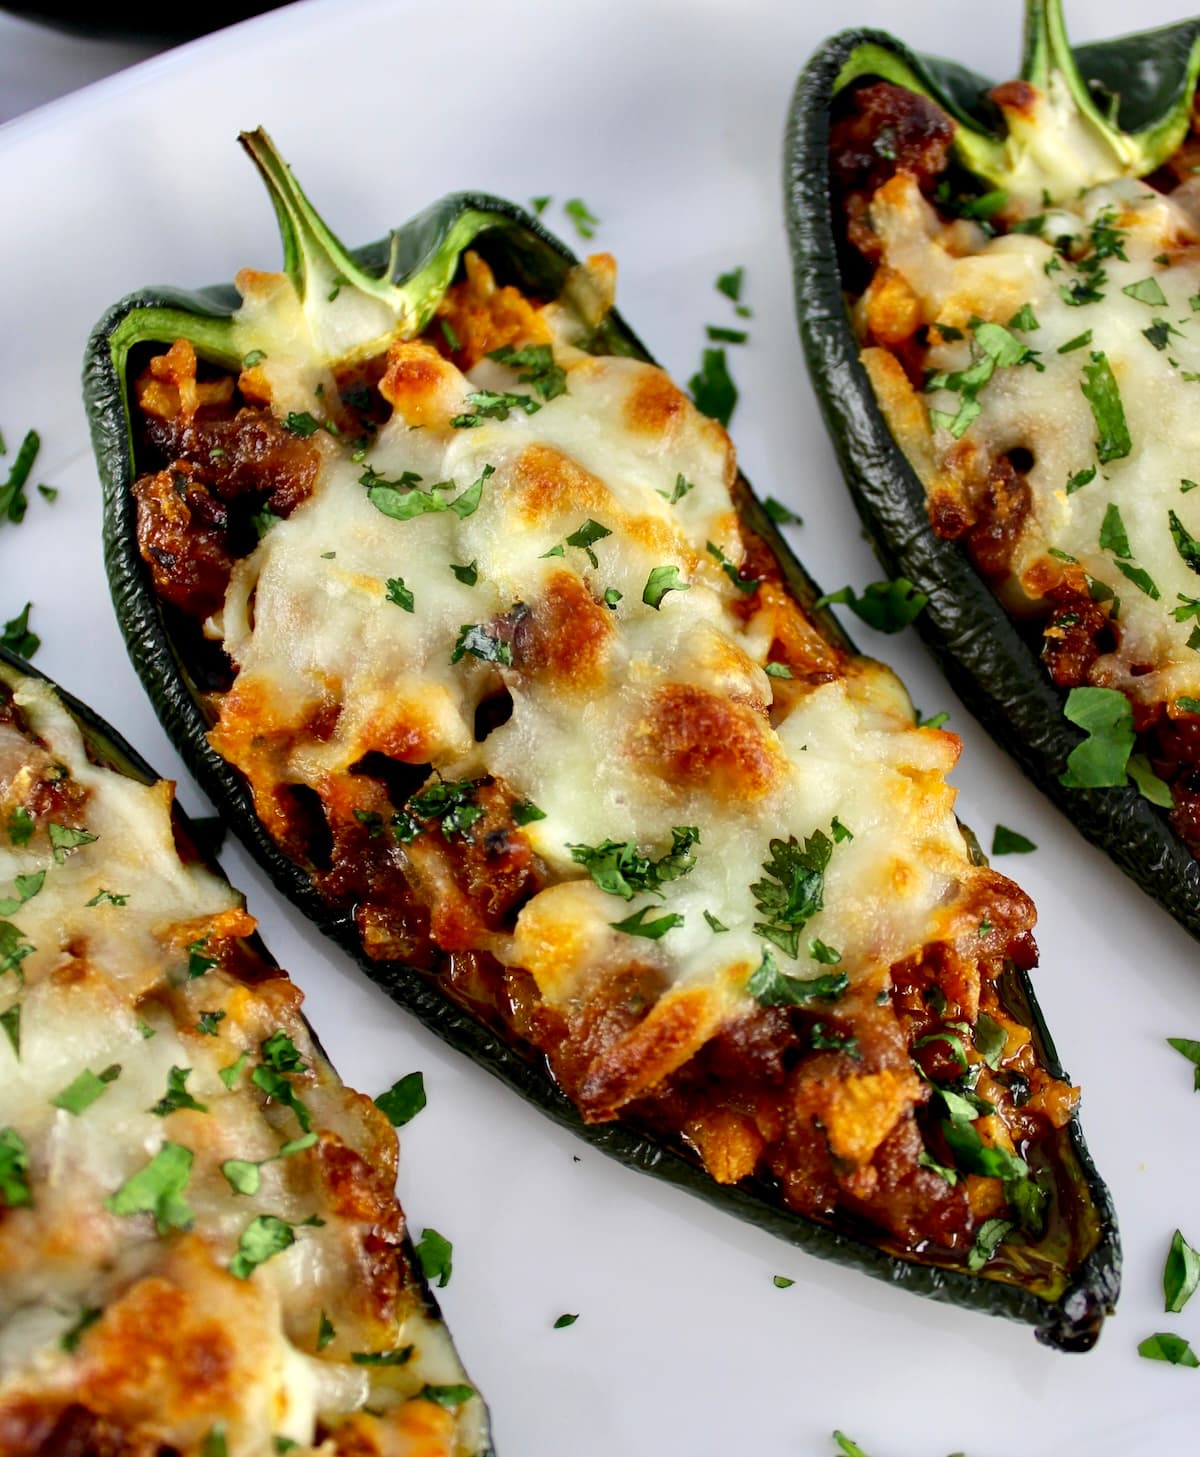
(666, 116)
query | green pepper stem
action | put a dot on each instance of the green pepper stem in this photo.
(352, 313)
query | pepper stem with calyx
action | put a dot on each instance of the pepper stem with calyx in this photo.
(1056, 138)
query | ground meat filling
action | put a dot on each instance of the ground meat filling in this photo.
(879, 130)
(833, 1106)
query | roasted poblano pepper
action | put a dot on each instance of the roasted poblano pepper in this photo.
(1074, 120)
(149, 878)
(1062, 1280)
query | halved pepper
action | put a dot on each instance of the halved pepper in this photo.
(1074, 119)
(171, 936)
(1062, 1273)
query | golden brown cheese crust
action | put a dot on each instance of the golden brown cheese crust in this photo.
(585, 711)
(142, 1025)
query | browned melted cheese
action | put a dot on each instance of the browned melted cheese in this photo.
(208, 1305)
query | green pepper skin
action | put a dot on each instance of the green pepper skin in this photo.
(108, 748)
(991, 667)
(521, 252)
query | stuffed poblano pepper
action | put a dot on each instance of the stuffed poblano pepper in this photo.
(998, 290)
(199, 1234)
(461, 612)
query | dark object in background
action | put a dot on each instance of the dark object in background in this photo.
(140, 22)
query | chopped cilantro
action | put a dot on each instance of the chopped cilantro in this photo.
(13, 503)
(398, 593)
(714, 925)
(779, 513)
(1148, 784)
(1170, 1348)
(777, 670)
(449, 802)
(1080, 479)
(1080, 341)
(826, 1041)
(1099, 388)
(794, 892)
(207, 1025)
(275, 1085)
(585, 221)
(1113, 536)
(638, 925)
(847, 1447)
(1140, 579)
(719, 335)
(301, 423)
(402, 501)
(730, 284)
(106, 897)
(661, 581)
(70, 1338)
(467, 575)
(886, 606)
(82, 1092)
(16, 636)
(1024, 319)
(681, 488)
(229, 1075)
(446, 1396)
(713, 391)
(565, 1320)
(14, 1170)
(1191, 1050)
(325, 1332)
(781, 1282)
(435, 1254)
(403, 1100)
(743, 584)
(990, 1040)
(1009, 842)
(198, 963)
(1181, 1274)
(525, 812)
(540, 204)
(1147, 291)
(64, 839)
(27, 886)
(619, 868)
(1186, 544)
(177, 1095)
(399, 1357)
(990, 1233)
(264, 1237)
(548, 379)
(771, 987)
(611, 597)
(826, 955)
(453, 343)
(21, 826)
(157, 1188)
(1159, 332)
(10, 1020)
(586, 537)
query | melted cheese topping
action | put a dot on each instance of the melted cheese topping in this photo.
(956, 273)
(628, 718)
(148, 1328)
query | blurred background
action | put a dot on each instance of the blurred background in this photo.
(47, 50)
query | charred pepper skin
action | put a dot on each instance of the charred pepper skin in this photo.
(521, 252)
(994, 669)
